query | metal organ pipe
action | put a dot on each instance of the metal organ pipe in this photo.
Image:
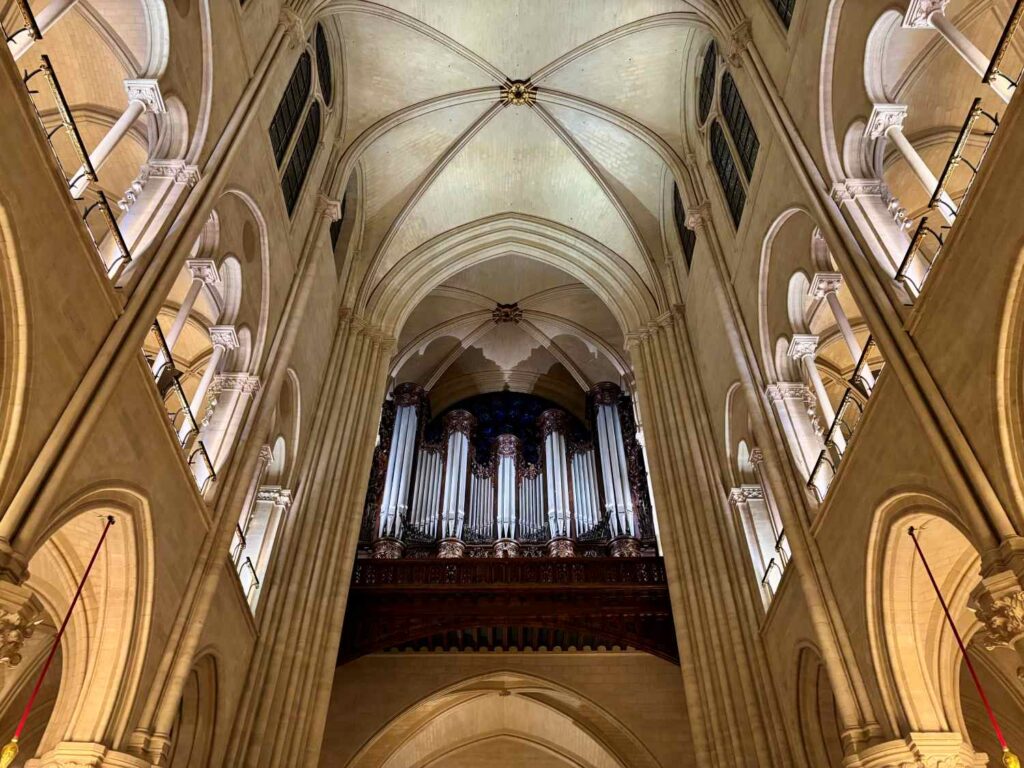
(618, 498)
(459, 425)
(554, 425)
(408, 398)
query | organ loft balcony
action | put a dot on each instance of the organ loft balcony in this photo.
(508, 524)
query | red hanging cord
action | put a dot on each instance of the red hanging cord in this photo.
(10, 751)
(1009, 759)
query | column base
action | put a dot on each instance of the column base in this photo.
(388, 549)
(451, 548)
(560, 548)
(625, 546)
(506, 548)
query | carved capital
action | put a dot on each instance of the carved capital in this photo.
(148, 93)
(328, 208)
(802, 345)
(508, 445)
(224, 336)
(20, 614)
(883, 117)
(203, 269)
(266, 454)
(740, 39)
(293, 27)
(606, 393)
(825, 283)
(518, 92)
(553, 420)
(787, 390)
(507, 313)
(698, 216)
(744, 493)
(177, 170)
(756, 456)
(459, 421)
(919, 13)
(1003, 618)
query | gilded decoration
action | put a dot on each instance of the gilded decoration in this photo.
(518, 92)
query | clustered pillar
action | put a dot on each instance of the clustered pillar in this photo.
(458, 425)
(618, 496)
(395, 500)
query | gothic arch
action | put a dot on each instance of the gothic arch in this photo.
(914, 652)
(389, 302)
(13, 345)
(1010, 386)
(195, 727)
(509, 704)
(816, 716)
(263, 321)
(97, 686)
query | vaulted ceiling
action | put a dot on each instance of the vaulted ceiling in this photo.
(559, 206)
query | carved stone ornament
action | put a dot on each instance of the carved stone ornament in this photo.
(802, 345)
(203, 269)
(507, 313)
(883, 117)
(15, 629)
(606, 393)
(448, 548)
(740, 37)
(553, 420)
(328, 208)
(745, 493)
(698, 217)
(756, 456)
(625, 546)
(388, 549)
(148, 93)
(409, 394)
(266, 454)
(560, 548)
(787, 390)
(459, 421)
(518, 92)
(508, 445)
(224, 336)
(918, 15)
(179, 171)
(825, 283)
(1003, 619)
(236, 382)
(506, 548)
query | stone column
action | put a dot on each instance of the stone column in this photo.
(759, 537)
(553, 428)
(795, 408)
(143, 96)
(508, 455)
(803, 348)
(203, 272)
(880, 221)
(459, 426)
(45, 19)
(618, 492)
(149, 204)
(931, 14)
(887, 121)
(272, 504)
(223, 338)
(825, 285)
(395, 498)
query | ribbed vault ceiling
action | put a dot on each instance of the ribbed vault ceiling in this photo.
(436, 153)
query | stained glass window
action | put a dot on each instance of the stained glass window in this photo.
(302, 157)
(728, 174)
(742, 130)
(286, 118)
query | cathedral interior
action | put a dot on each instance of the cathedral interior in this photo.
(511, 383)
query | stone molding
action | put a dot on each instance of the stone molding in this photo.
(236, 382)
(147, 92)
(883, 117)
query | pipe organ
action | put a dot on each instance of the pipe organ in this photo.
(506, 475)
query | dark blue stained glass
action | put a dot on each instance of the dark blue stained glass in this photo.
(286, 118)
(707, 83)
(742, 130)
(728, 174)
